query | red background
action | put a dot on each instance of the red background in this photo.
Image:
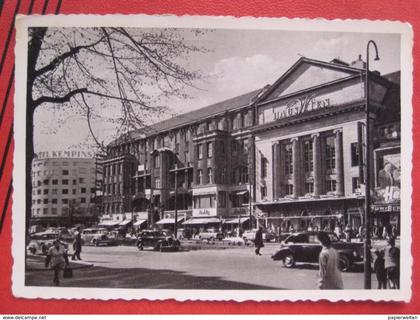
(407, 11)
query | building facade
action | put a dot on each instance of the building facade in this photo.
(289, 155)
(64, 190)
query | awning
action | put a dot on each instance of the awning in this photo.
(108, 223)
(124, 222)
(169, 221)
(236, 220)
(202, 221)
(241, 193)
(139, 222)
(306, 217)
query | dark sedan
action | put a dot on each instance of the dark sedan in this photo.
(158, 240)
(305, 247)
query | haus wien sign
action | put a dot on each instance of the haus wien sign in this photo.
(300, 106)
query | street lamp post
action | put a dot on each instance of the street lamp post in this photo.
(367, 262)
(176, 202)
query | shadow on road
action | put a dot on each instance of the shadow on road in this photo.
(356, 268)
(136, 278)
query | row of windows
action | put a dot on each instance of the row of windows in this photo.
(55, 201)
(60, 163)
(209, 201)
(64, 172)
(46, 182)
(63, 191)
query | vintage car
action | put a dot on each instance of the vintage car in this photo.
(211, 235)
(40, 242)
(159, 240)
(97, 237)
(249, 236)
(305, 247)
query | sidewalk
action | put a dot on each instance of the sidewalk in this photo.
(37, 263)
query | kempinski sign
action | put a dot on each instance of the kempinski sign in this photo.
(65, 154)
(300, 105)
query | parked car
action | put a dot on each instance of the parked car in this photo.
(97, 237)
(41, 242)
(159, 240)
(305, 247)
(249, 236)
(211, 235)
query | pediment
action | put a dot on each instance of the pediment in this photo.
(305, 75)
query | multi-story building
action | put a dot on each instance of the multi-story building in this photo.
(287, 154)
(63, 188)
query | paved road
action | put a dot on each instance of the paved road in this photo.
(235, 268)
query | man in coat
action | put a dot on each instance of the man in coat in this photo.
(77, 244)
(258, 241)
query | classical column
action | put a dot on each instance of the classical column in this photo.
(339, 161)
(276, 171)
(296, 167)
(316, 156)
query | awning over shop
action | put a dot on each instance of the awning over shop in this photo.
(108, 223)
(236, 220)
(201, 221)
(241, 193)
(124, 222)
(139, 222)
(169, 221)
(324, 216)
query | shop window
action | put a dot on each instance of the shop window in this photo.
(330, 186)
(209, 149)
(200, 151)
(308, 156)
(330, 152)
(288, 159)
(354, 154)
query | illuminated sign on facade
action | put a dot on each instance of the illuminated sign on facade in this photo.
(301, 105)
(65, 154)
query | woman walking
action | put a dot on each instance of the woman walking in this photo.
(329, 275)
(57, 260)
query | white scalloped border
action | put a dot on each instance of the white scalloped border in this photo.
(18, 218)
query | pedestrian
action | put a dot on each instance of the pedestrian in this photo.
(347, 231)
(258, 241)
(379, 267)
(392, 264)
(77, 245)
(394, 232)
(329, 275)
(57, 260)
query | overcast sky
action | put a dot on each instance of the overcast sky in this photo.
(236, 62)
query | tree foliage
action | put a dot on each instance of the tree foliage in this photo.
(111, 74)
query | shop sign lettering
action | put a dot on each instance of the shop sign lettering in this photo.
(300, 106)
(65, 154)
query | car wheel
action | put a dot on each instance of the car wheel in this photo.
(289, 261)
(343, 263)
(94, 242)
